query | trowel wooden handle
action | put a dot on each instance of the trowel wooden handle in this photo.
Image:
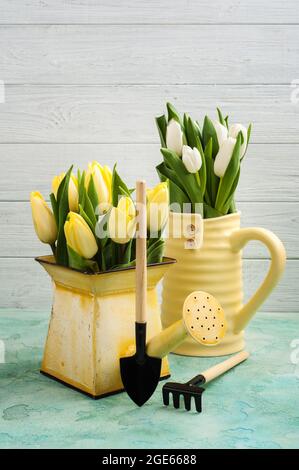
(224, 366)
(167, 340)
(141, 273)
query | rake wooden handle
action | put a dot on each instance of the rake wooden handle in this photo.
(167, 340)
(224, 366)
(141, 272)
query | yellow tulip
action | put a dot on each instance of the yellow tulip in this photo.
(43, 219)
(157, 207)
(122, 221)
(79, 236)
(73, 190)
(102, 178)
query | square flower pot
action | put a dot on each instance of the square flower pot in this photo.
(92, 325)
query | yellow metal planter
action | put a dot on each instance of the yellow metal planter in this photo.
(93, 324)
(215, 266)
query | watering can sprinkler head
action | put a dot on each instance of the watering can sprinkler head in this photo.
(202, 318)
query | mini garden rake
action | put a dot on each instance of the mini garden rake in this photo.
(191, 389)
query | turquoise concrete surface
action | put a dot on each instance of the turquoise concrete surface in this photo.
(256, 405)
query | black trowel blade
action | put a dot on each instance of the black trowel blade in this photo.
(140, 379)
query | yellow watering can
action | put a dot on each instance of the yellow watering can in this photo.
(214, 264)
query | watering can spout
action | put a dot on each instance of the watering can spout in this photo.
(203, 319)
(238, 239)
(164, 342)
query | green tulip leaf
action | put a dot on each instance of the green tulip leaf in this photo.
(124, 192)
(187, 180)
(186, 118)
(86, 218)
(92, 194)
(197, 126)
(63, 210)
(248, 138)
(155, 252)
(173, 114)
(177, 195)
(212, 179)
(192, 133)
(54, 208)
(232, 207)
(61, 187)
(220, 117)
(117, 267)
(249, 133)
(81, 185)
(165, 173)
(126, 257)
(119, 188)
(226, 184)
(211, 212)
(162, 128)
(79, 175)
(81, 264)
(208, 132)
(101, 229)
(89, 210)
(229, 204)
(106, 255)
(161, 170)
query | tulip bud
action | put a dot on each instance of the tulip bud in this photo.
(174, 137)
(221, 132)
(122, 221)
(223, 156)
(102, 178)
(157, 207)
(72, 193)
(43, 219)
(191, 159)
(79, 236)
(234, 130)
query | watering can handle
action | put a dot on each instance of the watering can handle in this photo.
(238, 239)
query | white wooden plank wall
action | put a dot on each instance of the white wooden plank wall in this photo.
(84, 80)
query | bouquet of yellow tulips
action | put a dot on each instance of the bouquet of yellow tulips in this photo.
(92, 224)
(201, 163)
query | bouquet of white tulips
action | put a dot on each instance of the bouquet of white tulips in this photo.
(201, 164)
(92, 224)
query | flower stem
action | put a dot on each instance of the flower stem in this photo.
(197, 178)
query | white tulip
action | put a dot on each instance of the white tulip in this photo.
(223, 156)
(191, 159)
(174, 137)
(221, 132)
(234, 130)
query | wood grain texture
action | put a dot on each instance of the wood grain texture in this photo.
(152, 54)
(18, 239)
(114, 114)
(84, 80)
(39, 163)
(223, 366)
(143, 12)
(141, 260)
(23, 284)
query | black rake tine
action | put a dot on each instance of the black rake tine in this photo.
(187, 391)
(197, 400)
(187, 400)
(165, 393)
(176, 399)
